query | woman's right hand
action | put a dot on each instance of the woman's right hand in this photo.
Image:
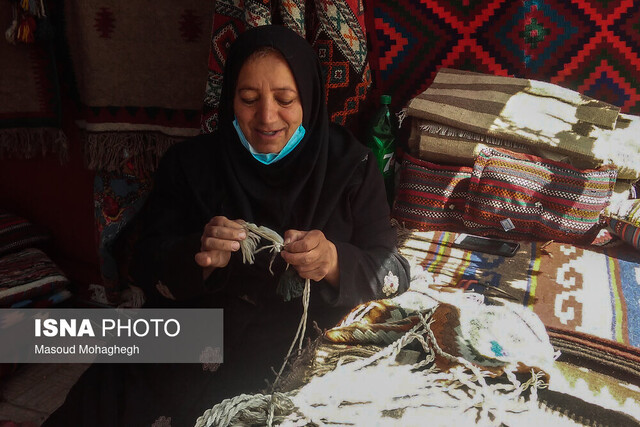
(220, 237)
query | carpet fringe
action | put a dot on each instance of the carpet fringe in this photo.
(110, 151)
(27, 143)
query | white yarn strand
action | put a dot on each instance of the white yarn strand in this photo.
(253, 407)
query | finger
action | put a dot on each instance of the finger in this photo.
(316, 274)
(223, 221)
(309, 242)
(293, 235)
(203, 259)
(222, 232)
(214, 244)
(300, 258)
(307, 268)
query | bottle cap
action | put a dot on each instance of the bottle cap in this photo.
(385, 99)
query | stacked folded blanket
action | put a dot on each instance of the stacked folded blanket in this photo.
(514, 158)
(474, 110)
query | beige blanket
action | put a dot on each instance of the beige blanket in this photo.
(539, 115)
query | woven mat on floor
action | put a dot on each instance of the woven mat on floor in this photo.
(586, 291)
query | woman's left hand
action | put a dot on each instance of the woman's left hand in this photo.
(312, 255)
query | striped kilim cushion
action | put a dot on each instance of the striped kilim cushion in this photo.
(624, 220)
(630, 233)
(28, 274)
(430, 196)
(18, 233)
(521, 196)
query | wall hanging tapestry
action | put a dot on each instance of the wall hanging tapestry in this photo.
(29, 88)
(140, 71)
(336, 28)
(590, 46)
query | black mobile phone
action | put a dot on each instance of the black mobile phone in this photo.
(487, 245)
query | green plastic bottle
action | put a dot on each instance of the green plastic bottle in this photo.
(382, 141)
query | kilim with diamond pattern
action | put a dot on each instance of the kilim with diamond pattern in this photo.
(591, 46)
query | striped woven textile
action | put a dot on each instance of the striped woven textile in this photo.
(18, 233)
(540, 199)
(430, 196)
(630, 233)
(436, 142)
(593, 291)
(536, 113)
(28, 274)
(623, 218)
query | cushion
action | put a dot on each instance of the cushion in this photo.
(520, 196)
(430, 196)
(17, 233)
(28, 274)
(624, 220)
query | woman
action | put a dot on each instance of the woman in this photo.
(275, 161)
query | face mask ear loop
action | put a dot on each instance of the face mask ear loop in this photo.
(270, 158)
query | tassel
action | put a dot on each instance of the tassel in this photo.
(26, 29)
(11, 32)
(290, 285)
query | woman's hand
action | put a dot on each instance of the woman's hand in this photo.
(221, 236)
(312, 255)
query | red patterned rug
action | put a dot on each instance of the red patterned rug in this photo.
(591, 46)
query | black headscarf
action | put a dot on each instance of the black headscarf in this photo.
(302, 189)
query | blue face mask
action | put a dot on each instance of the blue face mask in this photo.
(270, 158)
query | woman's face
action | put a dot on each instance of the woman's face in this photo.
(267, 103)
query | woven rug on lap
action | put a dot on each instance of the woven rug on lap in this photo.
(590, 46)
(30, 110)
(140, 70)
(577, 290)
(336, 29)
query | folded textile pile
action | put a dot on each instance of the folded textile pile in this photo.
(514, 158)
(28, 277)
(472, 109)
